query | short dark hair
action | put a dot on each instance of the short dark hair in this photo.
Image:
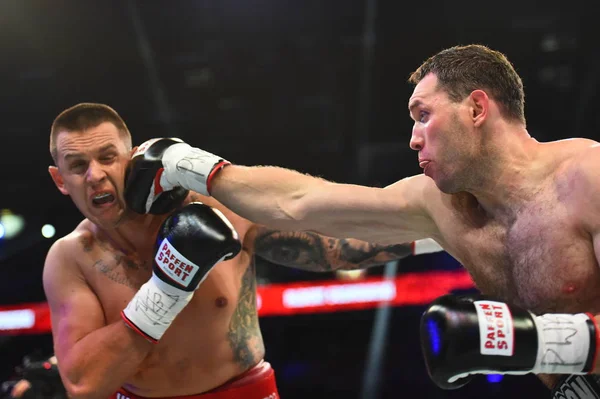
(83, 116)
(462, 69)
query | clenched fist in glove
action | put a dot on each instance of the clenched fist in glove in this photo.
(190, 242)
(466, 335)
(162, 171)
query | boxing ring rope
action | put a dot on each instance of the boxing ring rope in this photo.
(377, 343)
(409, 289)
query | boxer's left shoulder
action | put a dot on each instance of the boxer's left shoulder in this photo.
(578, 178)
(572, 156)
(586, 164)
(590, 155)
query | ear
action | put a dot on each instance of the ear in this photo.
(57, 179)
(133, 150)
(479, 104)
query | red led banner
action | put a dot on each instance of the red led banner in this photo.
(295, 298)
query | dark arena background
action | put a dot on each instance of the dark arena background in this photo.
(319, 86)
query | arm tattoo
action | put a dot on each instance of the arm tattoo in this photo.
(314, 252)
(244, 334)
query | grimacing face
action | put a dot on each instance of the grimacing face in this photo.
(91, 168)
(442, 136)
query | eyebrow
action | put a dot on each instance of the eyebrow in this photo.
(73, 155)
(413, 104)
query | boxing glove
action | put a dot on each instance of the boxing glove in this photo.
(466, 335)
(143, 193)
(168, 165)
(190, 242)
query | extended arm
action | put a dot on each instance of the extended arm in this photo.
(314, 252)
(289, 200)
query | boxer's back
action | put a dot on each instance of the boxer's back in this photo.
(539, 255)
(215, 338)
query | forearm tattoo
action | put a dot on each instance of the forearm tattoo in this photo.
(314, 252)
(244, 334)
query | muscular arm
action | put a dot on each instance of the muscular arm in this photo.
(288, 200)
(314, 252)
(95, 358)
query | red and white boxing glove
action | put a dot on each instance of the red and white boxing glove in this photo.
(471, 334)
(166, 165)
(190, 242)
(190, 168)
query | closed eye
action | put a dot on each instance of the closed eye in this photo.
(108, 158)
(77, 165)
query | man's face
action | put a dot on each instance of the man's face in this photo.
(441, 135)
(91, 170)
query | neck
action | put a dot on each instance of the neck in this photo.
(512, 172)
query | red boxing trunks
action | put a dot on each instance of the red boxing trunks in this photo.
(256, 383)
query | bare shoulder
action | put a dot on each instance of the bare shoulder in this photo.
(588, 166)
(589, 157)
(413, 190)
(574, 143)
(74, 307)
(420, 197)
(61, 258)
(571, 149)
(577, 182)
(415, 181)
(420, 192)
(582, 169)
(448, 215)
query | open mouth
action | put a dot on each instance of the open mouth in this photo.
(101, 199)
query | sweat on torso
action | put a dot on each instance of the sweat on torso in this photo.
(216, 336)
(542, 259)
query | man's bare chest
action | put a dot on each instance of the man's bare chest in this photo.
(115, 278)
(540, 260)
(219, 325)
(127, 271)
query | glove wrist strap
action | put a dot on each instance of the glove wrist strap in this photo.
(154, 307)
(190, 168)
(563, 343)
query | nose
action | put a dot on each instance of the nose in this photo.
(416, 141)
(95, 173)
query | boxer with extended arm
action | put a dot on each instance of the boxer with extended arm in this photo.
(522, 216)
